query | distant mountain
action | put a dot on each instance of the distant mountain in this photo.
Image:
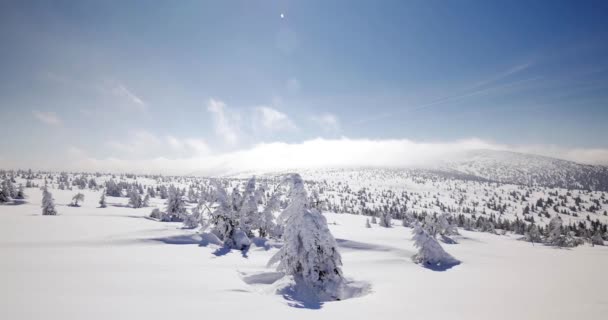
(527, 169)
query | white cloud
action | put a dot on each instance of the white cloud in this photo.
(273, 120)
(135, 101)
(324, 153)
(49, 118)
(141, 144)
(226, 123)
(328, 122)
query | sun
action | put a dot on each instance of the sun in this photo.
(282, 16)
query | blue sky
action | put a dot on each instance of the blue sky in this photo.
(136, 80)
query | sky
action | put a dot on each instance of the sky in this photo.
(173, 86)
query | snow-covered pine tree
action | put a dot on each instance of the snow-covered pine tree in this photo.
(367, 225)
(309, 253)
(374, 221)
(385, 219)
(193, 219)
(268, 226)
(176, 206)
(20, 193)
(446, 228)
(250, 217)
(79, 197)
(4, 192)
(146, 201)
(532, 234)
(596, 239)
(48, 206)
(102, 200)
(408, 219)
(223, 217)
(430, 253)
(554, 229)
(135, 200)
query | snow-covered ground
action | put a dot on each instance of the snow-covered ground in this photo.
(114, 263)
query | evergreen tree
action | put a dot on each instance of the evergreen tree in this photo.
(430, 253)
(176, 206)
(385, 219)
(135, 200)
(102, 201)
(77, 198)
(309, 253)
(48, 206)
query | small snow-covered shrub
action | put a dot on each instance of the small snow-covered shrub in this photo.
(156, 214)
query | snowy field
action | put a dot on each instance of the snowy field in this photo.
(115, 263)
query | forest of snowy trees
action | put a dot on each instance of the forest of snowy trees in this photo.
(289, 210)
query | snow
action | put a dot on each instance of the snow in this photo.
(114, 263)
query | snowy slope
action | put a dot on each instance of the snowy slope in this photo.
(527, 169)
(112, 263)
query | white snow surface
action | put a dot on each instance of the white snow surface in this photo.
(113, 263)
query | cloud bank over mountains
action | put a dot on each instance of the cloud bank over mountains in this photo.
(197, 159)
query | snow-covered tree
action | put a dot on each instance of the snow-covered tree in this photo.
(554, 229)
(367, 225)
(374, 220)
(250, 217)
(176, 206)
(446, 228)
(135, 200)
(268, 226)
(194, 218)
(48, 205)
(310, 251)
(532, 234)
(596, 239)
(79, 197)
(408, 219)
(20, 193)
(5, 195)
(430, 253)
(146, 201)
(102, 201)
(224, 218)
(385, 219)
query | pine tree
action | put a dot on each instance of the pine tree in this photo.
(20, 193)
(48, 206)
(430, 253)
(146, 202)
(532, 234)
(385, 219)
(4, 192)
(596, 239)
(77, 198)
(224, 218)
(249, 215)
(135, 200)
(367, 225)
(310, 251)
(102, 201)
(176, 206)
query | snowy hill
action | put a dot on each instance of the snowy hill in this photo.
(527, 169)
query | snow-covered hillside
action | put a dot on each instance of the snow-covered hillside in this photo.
(527, 169)
(129, 246)
(114, 263)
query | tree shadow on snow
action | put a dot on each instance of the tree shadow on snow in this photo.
(299, 295)
(442, 266)
(15, 202)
